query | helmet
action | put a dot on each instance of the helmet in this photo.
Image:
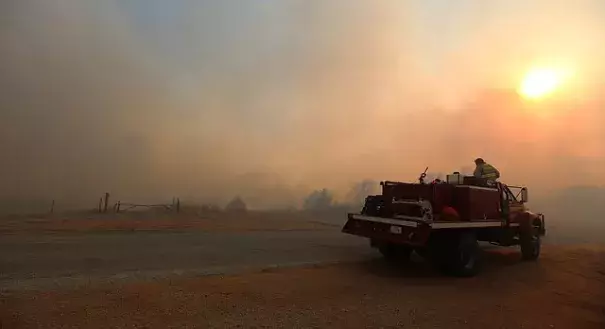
(479, 161)
(450, 214)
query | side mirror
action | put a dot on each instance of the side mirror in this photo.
(524, 196)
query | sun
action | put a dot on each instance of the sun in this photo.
(539, 83)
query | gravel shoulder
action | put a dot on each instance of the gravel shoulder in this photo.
(565, 289)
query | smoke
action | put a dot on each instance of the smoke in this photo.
(319, 200)
(271, 100)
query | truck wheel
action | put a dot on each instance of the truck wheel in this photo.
(395, 252)
(459, 256)
(530, 245)
(422, 252)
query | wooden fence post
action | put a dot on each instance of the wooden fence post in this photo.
(178, 205)
(100, 204)
(106, 202)
(52, 207)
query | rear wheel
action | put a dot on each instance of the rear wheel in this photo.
(422, 252)
(457, 254)
(467, 259)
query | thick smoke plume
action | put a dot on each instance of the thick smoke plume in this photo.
(271, 100)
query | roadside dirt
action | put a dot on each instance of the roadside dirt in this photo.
(565, 289)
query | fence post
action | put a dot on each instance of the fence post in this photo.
(52, 207)
(100, 204)
(178, 205)
(118, 207)
(106, 202)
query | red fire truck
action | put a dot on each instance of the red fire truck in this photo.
(443, 221)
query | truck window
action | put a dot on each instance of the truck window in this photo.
(508, 195)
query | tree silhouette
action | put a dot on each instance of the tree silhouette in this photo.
(237, 204)
(319, 199)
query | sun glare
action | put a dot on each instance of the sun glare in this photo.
(539, 83)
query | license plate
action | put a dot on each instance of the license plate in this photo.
(396, 229)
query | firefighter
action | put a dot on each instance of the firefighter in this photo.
(485, 170)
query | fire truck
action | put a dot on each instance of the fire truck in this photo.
(444, 221)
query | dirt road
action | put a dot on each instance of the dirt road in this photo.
(564, 290)
(66, 258)
(30, 261)
(160, 279)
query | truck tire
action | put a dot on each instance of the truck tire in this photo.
(422, 252)
(395, 252)
(458, 255)
(531, 244)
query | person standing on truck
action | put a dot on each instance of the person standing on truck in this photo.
(485, 170)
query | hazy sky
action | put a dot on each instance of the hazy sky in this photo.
(268, 99)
